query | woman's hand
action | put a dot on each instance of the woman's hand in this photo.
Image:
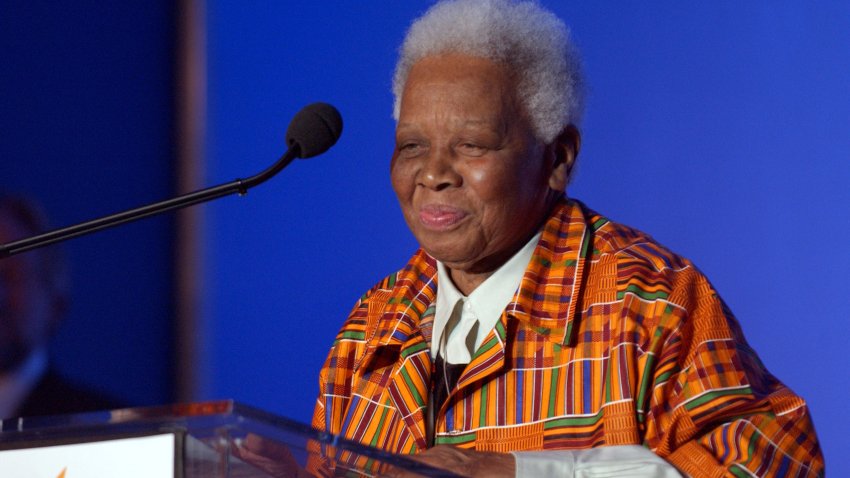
(467, 463)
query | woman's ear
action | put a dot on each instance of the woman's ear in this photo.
(565, 148)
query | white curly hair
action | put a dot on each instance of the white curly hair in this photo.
(531, 40)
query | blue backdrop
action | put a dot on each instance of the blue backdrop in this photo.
(722, 129)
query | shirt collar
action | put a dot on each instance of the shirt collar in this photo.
(488, 300)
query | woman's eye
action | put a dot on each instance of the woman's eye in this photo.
(410, 149)
(472, 149)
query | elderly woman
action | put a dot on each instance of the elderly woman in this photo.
(529, 335)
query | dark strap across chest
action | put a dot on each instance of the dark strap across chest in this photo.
(443, 381)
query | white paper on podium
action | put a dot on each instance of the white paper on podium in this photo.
(141, 457)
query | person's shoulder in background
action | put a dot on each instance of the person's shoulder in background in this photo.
(56, 395)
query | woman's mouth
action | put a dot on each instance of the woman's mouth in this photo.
(440, 217)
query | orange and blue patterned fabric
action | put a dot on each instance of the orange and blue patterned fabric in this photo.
(611, 339)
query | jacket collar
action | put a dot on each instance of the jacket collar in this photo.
(410, 307)
(550, 291)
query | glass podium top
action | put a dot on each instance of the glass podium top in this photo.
(221, 439)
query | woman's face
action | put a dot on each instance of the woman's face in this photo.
(472, 180)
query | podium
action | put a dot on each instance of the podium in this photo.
(221, 439)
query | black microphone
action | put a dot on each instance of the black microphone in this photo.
(311, 132)
(314, 129)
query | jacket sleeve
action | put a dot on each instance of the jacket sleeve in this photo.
(715, 410)
(335, 378)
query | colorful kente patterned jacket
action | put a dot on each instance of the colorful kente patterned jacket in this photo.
(610, 340)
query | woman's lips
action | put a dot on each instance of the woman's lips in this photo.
(440, 217)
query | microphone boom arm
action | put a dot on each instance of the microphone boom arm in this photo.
(237, 186)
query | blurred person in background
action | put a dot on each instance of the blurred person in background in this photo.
(34, 293)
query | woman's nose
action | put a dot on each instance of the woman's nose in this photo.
(438, 171)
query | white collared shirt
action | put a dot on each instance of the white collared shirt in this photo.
(483, 306)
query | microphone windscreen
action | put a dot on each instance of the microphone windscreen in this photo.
(314, 129)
